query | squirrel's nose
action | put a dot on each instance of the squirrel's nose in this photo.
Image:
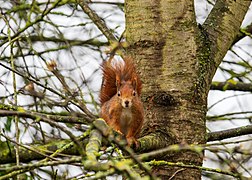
(126, 103)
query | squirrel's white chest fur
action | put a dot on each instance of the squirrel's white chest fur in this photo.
(125, 119)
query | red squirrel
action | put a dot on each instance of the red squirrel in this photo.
(121, 106)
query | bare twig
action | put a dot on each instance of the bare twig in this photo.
(24, 168)
(235, 86)
(220, 135)
(180, 164)
(97, 21)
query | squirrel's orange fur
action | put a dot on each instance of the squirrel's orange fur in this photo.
(121, 106)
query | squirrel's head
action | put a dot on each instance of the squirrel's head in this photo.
(126, 94)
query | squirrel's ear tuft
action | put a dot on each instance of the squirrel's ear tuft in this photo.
(118, 82)
(134, 83)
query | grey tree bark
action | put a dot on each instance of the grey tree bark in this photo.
(177, 59)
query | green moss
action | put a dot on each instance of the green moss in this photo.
(232, 81)
(225, 87)
(7, 107)
(215, 83)
(204, 60)
(4, 149)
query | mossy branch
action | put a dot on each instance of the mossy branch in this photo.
(35, 152)
(92, 152)
(244, 32)
(15, 170)
(231, 85)
(154, 141)
(182, 165)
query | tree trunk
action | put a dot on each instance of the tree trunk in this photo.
(162, 40)
(177, 60)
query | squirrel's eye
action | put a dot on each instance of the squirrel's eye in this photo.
(134, 93)
(118, 93)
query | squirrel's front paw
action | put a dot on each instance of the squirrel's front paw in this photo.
(132, 142)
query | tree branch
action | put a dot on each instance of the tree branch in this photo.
(231, 85)
(34, 115)
(7, 152)
(15, 170)
(74, 42)
(247, 31)
(26, 155)
(67, 44)
(229, 133)
(29, 24)
(179, 164)
(222, 25)
(154, 141)
(97, 21)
